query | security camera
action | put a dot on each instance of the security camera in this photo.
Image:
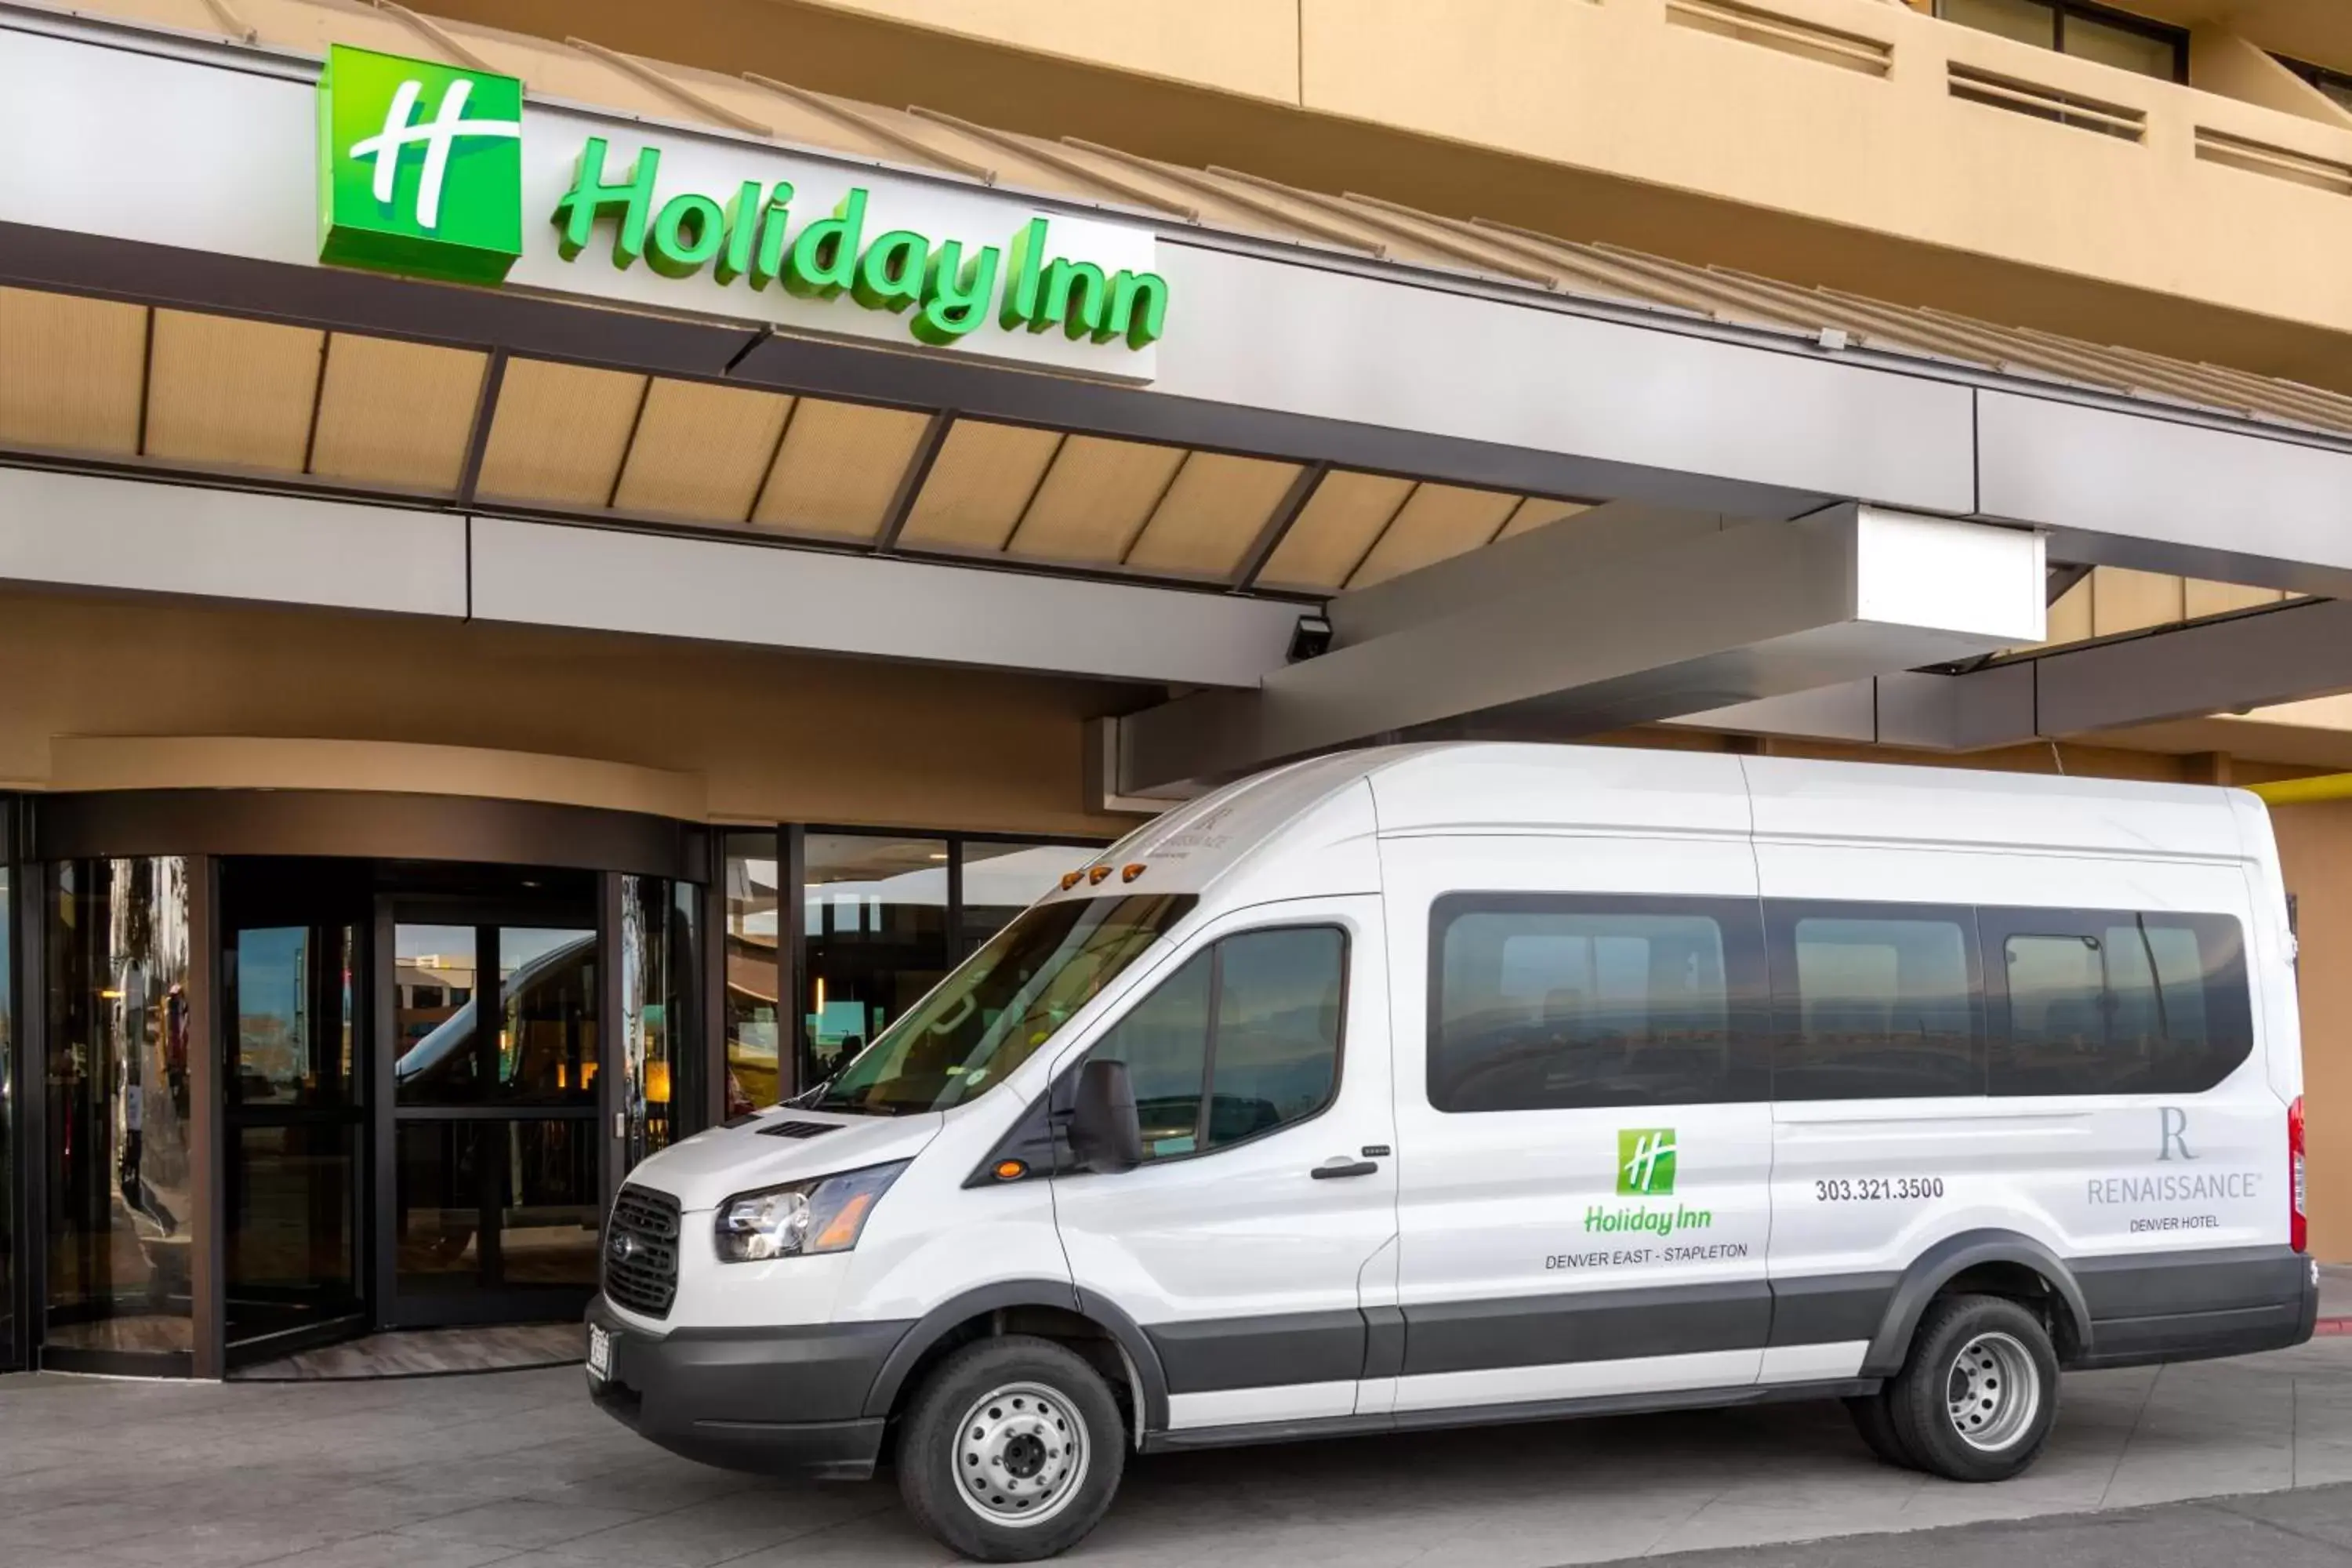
(1310, 638)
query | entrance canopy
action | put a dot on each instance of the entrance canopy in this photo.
(1026, 404)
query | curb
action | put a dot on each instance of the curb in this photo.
(2332, 1326)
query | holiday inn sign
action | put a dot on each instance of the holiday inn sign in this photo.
(437, 172)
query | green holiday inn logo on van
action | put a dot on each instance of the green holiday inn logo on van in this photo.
(1645, 1161)
(1646, 1169)
(420, 167)
(420, 172)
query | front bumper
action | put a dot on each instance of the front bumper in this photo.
(787, 1401)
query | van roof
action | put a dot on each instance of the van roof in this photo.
(1503, 787)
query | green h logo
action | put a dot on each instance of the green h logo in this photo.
(1645, 1161)
(420, 167)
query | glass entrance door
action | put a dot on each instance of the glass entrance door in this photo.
(292, 1050)
(494, 1204)
(293, 1130)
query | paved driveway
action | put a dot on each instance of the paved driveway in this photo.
(517, 1469)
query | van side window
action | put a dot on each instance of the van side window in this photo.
(1164, 1041)
(1541, 1003)
(1255, 1020)
(1874, 1001)
(2093, 1002)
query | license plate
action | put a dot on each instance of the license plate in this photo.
(600, 1352)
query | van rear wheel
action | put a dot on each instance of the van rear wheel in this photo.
(1978, 1394)
(1010, 1450)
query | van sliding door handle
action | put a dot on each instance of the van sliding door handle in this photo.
(1343, 1166)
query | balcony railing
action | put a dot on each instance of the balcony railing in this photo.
(1789, 35)
(2018, 96)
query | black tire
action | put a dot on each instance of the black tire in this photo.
(1876, 1424)
(938, 1457)
(2007, 1392)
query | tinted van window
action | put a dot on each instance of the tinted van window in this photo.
(1874, 1001)
(2095, 1002)
(1255, 1021)
(1164, 1041)
(1275, 1058)
(1553, 1003)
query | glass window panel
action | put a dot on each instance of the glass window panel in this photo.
(11, 1342)
(876, 910)
(675, 1085)
(657, 996)
(290, 995)
(2127, 49)
(549, 1208)
(2056, 1030)
(120, 1166)
(1164, 1041)
(289, 1242)
(1277, 1043)
(1552, 1008)
(2121, 1004)
(438, 1237)
(2027, 21)
(1003, 1004)
(546, 1046)
(1881, 1006)
(434, 970)
(755, 1041)
(1000, 881)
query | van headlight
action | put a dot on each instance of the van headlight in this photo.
(823, 1214)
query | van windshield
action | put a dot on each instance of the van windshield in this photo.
(1001, 1005)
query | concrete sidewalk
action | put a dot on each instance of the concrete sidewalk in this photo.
(2335, 1298)
(517, 1469)
(2309, 1527)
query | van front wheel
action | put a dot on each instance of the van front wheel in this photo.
(1010, 1450)
(1977, 1398)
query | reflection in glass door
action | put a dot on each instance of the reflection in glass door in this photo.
(121, 1155)
(11, 1338)
(656, 1089)
(293, 1126)
(496, 1199)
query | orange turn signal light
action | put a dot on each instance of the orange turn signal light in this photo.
(1131, 872)
(1071, 879)
(843, 1231)
(1097, 874)
(1009, 1170)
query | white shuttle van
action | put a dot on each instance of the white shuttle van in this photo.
(1473, 1083)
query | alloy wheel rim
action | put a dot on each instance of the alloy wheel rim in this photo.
(1993, 1393)
(1020, 1455)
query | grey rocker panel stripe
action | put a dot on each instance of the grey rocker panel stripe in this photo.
(2141, 1305)
(1215, 1355)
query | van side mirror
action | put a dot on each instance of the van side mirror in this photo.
(1106, 1135)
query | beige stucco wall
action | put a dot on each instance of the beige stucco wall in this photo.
(1637, 122)
(2315, 845)
(124, 693)
(1248, 47)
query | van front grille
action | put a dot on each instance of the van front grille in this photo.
(641, 1252)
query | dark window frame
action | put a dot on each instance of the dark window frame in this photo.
(1781, 917)
(1062, 1096)
(1747, 1077)
(2122, 21)
(2228, 992)
(2335, 84)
